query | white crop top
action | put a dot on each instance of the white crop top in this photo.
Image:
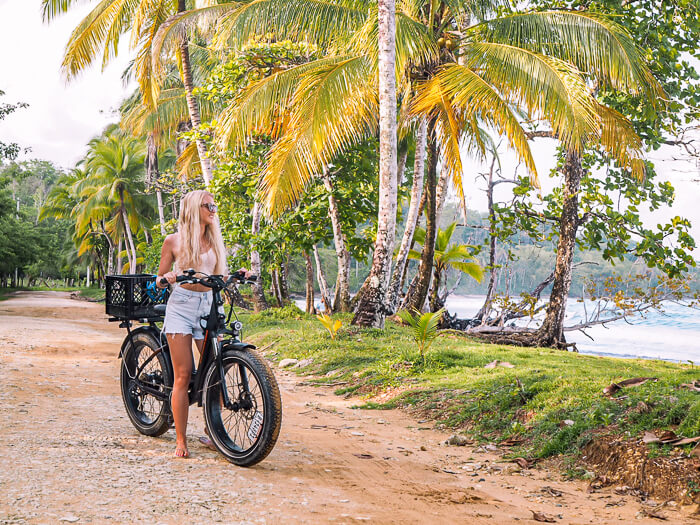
(207, 263)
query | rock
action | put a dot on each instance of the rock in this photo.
(288, 362)
(568, 422)
(458, 440)
(303, 363)
(494, 364)
(70, 518)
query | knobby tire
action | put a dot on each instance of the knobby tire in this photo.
(151, 416)
(233, 432)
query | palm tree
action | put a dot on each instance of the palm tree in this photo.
(370, 309)
(456, 256)
(99, 34)
(458, 67)
(114, 187)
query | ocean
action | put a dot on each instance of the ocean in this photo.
(673, 335)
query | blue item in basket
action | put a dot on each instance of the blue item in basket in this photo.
(155, 293)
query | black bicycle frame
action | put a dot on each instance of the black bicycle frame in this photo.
(212, 350)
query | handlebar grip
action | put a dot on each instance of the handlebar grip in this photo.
(163, 281)
(181, 278)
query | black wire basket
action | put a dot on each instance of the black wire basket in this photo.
(130, 297)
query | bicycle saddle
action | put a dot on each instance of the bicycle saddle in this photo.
(160, 308)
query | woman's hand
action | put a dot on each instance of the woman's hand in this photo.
(171, 277)
(246, 273)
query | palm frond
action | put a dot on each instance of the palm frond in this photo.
(316, 21)
(50, 9)
(173, 29)
(415, 45)
(333, 108)
(546, 86)
(98, 31)
(472, 269)
(592, 42)
(257, 109)
(474, 98)
(621, 142)
(187, 164)
(149, 17)
(444, 236)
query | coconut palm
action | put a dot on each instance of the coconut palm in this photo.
(458, 66)
(114, 188)
(99, 33)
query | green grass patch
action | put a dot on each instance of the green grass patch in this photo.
(94, 293)
(551, 399)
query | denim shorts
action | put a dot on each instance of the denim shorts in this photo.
(184, 312)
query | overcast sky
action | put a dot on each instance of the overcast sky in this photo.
(62, 118)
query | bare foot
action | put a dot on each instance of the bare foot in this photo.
(181, 451)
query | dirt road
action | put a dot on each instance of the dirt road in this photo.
(68, 453)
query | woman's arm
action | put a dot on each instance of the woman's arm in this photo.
(167, 258)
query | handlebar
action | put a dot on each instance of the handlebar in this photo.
(212, 281)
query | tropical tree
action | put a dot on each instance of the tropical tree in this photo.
(12, 149)
(446, 256)
(458, 66)
(99, 33)
(370, 310)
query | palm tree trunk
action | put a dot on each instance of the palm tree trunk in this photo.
(551, 333)
(371, 308)
(310, 308)
(418, 294)
(322, 284)
(440, 195)
(110, 249)
(130, 238)
(127, 229)
(259, 301)
(435, 303)
(342, 302)
(161, 212)
(284, 283)
(193, 108)
(411, 219)
(274, 274)
(151, 159)
(120, 267)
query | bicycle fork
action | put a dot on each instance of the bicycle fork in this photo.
(243, 402)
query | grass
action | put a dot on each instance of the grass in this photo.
(97, 294)
(530, 401)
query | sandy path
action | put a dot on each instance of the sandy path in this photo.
(70, 454)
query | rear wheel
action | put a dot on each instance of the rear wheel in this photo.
(145, 380)
(247, 432)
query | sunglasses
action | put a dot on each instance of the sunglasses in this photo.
(210, 206)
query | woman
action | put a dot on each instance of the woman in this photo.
(197, 244)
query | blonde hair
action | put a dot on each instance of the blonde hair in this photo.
(190, 232)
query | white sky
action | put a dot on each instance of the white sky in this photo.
(62, 117)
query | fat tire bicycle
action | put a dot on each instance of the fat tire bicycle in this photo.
(232, 383)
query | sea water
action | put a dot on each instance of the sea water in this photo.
(672, 335)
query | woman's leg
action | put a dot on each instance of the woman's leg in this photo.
(181, 354)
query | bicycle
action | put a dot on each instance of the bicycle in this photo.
(234, 386)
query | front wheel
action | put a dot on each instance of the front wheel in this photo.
(246, 432)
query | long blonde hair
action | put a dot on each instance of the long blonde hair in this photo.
(190, 232)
